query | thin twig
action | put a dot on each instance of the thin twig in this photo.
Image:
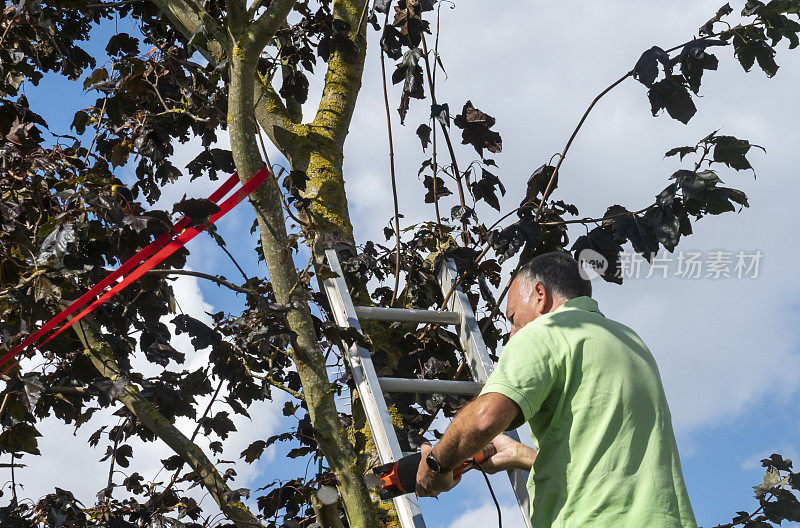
(207, 410)
(278, 385)
(363, 19)
(598, 220)
(168, 110)
(435, 168)
(261, 141)
(446, 133)
(212, 278)
(392, 172)
(11, 23)
(561, 158)
(296, 284)
(110, 485)
(97, 130)
(613, 85)
(180, 111)
(436, 59)
(434, 162)
(286, 208)
(302, 224)
(235, 263)
(499, 301)
(5, 398)
(572, 138)
(13, 479)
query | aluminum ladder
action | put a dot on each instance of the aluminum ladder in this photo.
(371, 387)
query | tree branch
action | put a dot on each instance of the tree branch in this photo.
(613, 85)
(237, 16)
(342, 79)
(392, 171)
(212, 278)
(572, 138)
(110, 484)
(561, 156)
(446, 133)
(102, 358)
(326, 508)
(279, 385)
(265, 27)
(276, 120)
(188, 17)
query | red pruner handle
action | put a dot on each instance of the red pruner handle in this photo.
(488, 452)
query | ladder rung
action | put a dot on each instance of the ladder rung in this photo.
(424, 386)
(407, 315)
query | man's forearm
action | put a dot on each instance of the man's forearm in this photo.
(469, 432)
(473, 428)
(461, 442)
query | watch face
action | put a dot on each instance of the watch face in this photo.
(434, 464)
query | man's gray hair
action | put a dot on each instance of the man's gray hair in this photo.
(558, 271)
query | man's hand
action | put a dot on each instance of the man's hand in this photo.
(430, 484)
(510, 454)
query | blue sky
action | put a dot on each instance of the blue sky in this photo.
(727, 349)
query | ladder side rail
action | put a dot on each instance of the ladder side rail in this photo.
(481, 366)
(477, 356)
(366, 380)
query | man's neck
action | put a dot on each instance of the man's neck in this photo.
(558, 302)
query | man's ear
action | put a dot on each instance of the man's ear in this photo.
(544, 301)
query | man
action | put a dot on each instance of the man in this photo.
(591, 393)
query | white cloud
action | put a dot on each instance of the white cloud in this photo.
(753, 462)
(485, 515)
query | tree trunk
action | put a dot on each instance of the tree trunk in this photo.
(308, 357)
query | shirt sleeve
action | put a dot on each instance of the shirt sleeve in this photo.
(526, 372)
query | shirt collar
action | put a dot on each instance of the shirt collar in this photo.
(582, 303)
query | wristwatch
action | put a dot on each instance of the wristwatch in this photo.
(434, 464)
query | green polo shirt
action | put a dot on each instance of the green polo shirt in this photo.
(591, 393)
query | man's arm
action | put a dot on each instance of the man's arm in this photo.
(510, 455)
(470, 431)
